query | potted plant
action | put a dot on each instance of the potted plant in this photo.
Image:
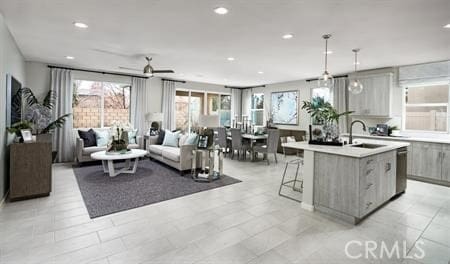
(16, 129)
(325, 119)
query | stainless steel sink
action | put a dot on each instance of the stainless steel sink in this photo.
(367, 145)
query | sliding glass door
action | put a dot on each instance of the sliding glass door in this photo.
(191, 104)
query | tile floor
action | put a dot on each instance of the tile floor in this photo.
(243, 223)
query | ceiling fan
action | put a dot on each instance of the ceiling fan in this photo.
(148, 69)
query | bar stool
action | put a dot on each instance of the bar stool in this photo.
(292, 183)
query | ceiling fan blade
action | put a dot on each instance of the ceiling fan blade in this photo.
(131, 69)
(163, 71)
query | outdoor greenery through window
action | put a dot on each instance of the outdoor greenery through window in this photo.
(98, 104)
(191, 104)
(257, 109)
(426, 107)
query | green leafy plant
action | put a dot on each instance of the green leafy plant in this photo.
(17, 127)
(322, 112)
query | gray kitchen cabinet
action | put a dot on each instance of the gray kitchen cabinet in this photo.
(353, 187)
(427, 160)
(375, 99)
(446, 163)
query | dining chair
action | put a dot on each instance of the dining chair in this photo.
(237, 144)
(273, 136)
(222, 139)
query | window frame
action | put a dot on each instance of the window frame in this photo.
(205, 103)
(405, 105)
(256, 109)
(102, 101)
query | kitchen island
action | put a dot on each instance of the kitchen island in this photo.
(348, 182)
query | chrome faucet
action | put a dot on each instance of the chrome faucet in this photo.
(350, 138)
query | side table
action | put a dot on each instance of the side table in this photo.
(208, 160)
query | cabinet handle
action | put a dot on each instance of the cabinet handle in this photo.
(368, 205)
(388, 167)
(443, 155)
(368, 186)
(369, 171)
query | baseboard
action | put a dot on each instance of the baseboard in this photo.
(307, 207)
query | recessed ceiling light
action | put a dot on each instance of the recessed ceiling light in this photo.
(288, 36)
(70, 57)
(230, 58)
(447, 26)
(328, 52)
(221, 10)
(260, 72)
(80, 25)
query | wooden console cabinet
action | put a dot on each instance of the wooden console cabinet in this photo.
(30, 170)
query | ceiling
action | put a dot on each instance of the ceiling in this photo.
(188, 37)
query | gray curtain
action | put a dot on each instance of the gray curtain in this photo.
(139, 101)
(339, 95)
(61, 84)
(236, 103)
(168, 106)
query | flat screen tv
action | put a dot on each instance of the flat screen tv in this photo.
(13, 100)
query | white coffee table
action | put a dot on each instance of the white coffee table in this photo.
(108, 161)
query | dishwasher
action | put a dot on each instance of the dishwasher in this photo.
(402, 163)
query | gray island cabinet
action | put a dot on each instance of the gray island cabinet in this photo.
(351, 188)
(349, 182)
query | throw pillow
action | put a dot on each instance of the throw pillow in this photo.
(171, 139)
(290, 139)
(102, 137)
(191, 139)
(88, 138)
(132, 136)
(160, 139)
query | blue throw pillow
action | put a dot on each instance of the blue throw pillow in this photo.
(132, 136)
(102, 137)
(192, 139)
(171, 139)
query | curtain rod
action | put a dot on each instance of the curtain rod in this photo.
(94, 71)
(245, 87)
(171, 80)
(338, 76)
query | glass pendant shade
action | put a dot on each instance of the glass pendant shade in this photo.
(325, 80)
(355, 87)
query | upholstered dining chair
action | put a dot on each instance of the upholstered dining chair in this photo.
(222, 139)
(237, 144)
(273, 136)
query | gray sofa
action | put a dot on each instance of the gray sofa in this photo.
(83, 154)
(179, 158)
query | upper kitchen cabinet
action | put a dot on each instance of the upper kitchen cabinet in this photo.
(375, 99)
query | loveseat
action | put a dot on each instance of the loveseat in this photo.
(83, 154)
(179, 157)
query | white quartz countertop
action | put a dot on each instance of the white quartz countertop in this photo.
(348, 150)
(403, 138)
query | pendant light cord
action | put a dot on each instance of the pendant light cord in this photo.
(356, 60)
(326, 54)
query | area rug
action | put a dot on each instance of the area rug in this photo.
(153, 182)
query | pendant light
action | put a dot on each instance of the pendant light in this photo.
(355, 86)
(326, 79)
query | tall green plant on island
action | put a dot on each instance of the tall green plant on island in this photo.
(38, 115)
(322, 112)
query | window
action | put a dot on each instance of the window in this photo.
(426, 107)
(98, 104)
(190, 105)
(257, 109)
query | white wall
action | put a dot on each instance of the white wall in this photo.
(11, 62)
(197, 86)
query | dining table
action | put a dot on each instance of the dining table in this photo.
(253, 138)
